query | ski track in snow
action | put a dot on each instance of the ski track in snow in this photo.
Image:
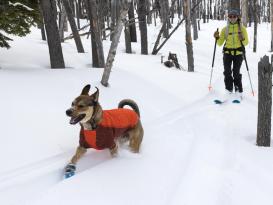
(227, 148)
(46, 174)
(42, 175)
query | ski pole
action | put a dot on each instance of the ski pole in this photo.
(212, 63)
(244, 55)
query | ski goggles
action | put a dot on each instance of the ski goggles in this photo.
(232, 16)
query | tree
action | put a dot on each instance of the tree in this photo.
(53, 37)
(131, 15)
(187, 11)
(271, 15)
(164, 14)
(255, 25)
(234, 4)
(194, 14)
(97, 47)
(17, 18)
(114, 44)
(143, 26)
(73, 26)
(264, 102)
(244, 12)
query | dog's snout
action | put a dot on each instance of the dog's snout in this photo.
(69, 112)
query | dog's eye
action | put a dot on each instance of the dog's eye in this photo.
(73, 104)
(80, 106)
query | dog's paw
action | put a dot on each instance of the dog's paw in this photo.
(70, 170)
(70, 167)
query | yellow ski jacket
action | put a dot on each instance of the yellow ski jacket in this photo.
(231, 39)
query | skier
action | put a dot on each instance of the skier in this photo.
(235, 37)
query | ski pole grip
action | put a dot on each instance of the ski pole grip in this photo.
(216, 37)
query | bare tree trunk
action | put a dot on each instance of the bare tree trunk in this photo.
(244, 12)
(41, 25)
(128, 46)
(187, 11)
(78, 14)
(143, 26)
(103, 8)
(210, 10)
(234, 4)
(133, 34)
(204, 11)
(264, 102)
(179, 9)
(73, 26)
(149, 13)
(268, 10)
(195, 30)
(62, 19)
(156, 47)
(271, 15)
(53, 38)
(255, 26)
(164, 6)
(114, 44)
(113, 17)
(97, 48)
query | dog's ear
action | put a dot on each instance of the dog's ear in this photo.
(95, 95)
(85, 90)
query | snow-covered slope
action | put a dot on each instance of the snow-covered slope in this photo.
(194, 152)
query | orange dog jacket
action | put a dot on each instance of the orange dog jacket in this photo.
(114, 123)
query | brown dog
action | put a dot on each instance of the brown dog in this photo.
(101, 129)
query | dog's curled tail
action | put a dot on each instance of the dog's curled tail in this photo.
(130, 103)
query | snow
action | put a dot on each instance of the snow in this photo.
(194, 152)
(20, 4)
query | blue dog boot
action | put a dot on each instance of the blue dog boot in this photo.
(70, 170)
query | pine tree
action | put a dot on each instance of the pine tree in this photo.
(17, 18)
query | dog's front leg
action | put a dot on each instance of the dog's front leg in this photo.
(79, 153)
(70, 169)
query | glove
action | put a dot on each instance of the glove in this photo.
(241, 37)
(216, 35)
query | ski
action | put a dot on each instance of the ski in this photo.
(219, 102)
(236, 101)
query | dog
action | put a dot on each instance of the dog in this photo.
(102, 129)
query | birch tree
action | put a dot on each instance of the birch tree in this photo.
(115, 41)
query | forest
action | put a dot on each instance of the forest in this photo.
(197, 73)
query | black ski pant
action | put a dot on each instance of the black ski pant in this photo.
(232, 74)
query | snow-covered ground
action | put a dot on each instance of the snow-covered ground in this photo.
(194, 152)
